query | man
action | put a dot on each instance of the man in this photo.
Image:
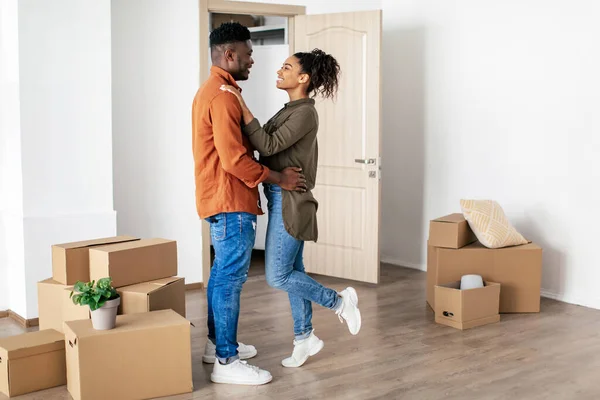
(227, 177)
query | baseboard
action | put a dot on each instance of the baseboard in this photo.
(194, 286)
(399, 263)
(25, 323)
(576, 300)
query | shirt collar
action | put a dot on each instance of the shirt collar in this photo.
(220, 72)
(300, 101)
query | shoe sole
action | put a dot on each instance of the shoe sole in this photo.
(354, 300)
(223, 379)
(314, 351)
(212, 359)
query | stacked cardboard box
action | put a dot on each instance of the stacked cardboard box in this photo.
(70, 263)
(144, 273)
(143, 270)
(453, 251)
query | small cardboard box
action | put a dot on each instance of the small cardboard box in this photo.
(451, 231)
(146, 355)
(55, 305)
(518, 269)
(70, 262)
(161, 294)
(32, 361)
(465, 309)
(134, 262)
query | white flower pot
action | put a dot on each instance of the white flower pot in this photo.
(105, 317)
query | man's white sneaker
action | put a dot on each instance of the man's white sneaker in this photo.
(245, 351)
(239, 373)
(302, 350)
(349, 310)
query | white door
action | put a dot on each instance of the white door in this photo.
(348, 179)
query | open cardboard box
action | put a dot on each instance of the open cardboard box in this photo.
(465, 309)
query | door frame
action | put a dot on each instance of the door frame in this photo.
(234, 7)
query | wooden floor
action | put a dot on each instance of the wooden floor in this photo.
(400, 352)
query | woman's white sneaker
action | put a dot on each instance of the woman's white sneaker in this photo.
(349, 311)
(302, 350)
(239, 373)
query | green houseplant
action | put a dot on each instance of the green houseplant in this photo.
(102, 299)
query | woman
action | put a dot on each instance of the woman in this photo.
(290, 139)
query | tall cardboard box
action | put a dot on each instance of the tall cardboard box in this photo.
(32, 361)
(451, 231)
(465, 309)
(161, 294)
(70, 261)
(518, 269)
(146, 355)
(56, 307)
(134, 262)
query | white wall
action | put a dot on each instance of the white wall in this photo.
(487, 99)
(11, 193)
(56, 136)
(155, 77)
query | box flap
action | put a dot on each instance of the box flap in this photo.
(452, 218)
(51, 281)
(32, 343)
(110, 248)
(149, 287)
(96, 242)
(130, 322)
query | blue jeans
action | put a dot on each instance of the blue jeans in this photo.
(233, 236)
(285, 269)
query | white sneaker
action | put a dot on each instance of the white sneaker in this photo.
(302, 350)
(245, 351)
(349, 310)
(239, 373)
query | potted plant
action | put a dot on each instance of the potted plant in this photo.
(102, 299)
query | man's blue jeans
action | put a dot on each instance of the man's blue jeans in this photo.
(285, 269)
(233, 236)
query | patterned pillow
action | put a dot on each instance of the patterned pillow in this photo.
(489, 223)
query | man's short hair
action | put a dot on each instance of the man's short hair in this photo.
(229, 32)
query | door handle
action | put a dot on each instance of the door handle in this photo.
(368, 161)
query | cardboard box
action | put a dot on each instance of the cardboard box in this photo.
(31, 362)
(465, 309)
(451, 231)
(518, 269)
(55, 305)
(70, 262)
(146, 355)
(161, 294)
(134, 262)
